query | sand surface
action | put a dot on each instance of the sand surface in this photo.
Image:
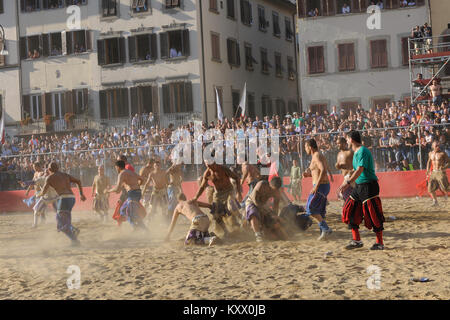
(116, 263)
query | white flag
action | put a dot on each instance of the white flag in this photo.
(219, 107)
(2, 127)
(243, 102)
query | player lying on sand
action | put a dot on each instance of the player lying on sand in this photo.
(198, 231)
(263, 219)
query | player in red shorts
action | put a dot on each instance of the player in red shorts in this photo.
(364, 201)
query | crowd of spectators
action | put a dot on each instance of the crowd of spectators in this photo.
(393, 149)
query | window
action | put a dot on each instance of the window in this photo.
(378, 54)
(278, 66)
(79, 41)
(177, 97)
(1, 8)
(291, 68)
(31, 47)
(234, 57)
(215, 46)
(142, 47)
(405, 52)
(52, 4)
(266, 106)
(360, 5)
(32, 107)
(139, 6)
(320, 108)
(30, 5)
(2, 58)
(246, 12)
(220, 94)
(111, 51)
(231, 11)
(109, 8)
(251, 105)
(380, 101)
(114, 103)
(343, 6)
(276, 24)
(171, 4)
(213, 6)
(313, 8)
(391, 4)
(292, 107)
(348, 106)
(75, 2)
(236, 99)
(80, 100)
(265, 65)
(288, 29)
(262, 22)
(328, 8)
(249, 60)
(316, 63)
(280, 106)
(144, 99)
(346, 53)
(174, 44)
(56, 105)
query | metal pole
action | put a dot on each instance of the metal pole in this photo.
(410, 71)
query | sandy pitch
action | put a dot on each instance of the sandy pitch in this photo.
(117, 264)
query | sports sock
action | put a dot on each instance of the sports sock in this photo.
(379, 235)
(355, 235)
(323, 225)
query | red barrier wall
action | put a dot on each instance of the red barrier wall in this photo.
(400, 184)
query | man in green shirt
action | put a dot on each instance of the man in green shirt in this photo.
(364, 201)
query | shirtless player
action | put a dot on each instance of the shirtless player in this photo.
(263, 219)
(438, 177)
(251, 175)
(198, 231)
(101, 197)
(144, 173)
(175, 186)
(317, 199)
(223, 192)
(42, 201)
(435, 90)
(131, 209)
(160, 181)
(61, 182)
(344, 163)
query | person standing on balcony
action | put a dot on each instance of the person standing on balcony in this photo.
(427, 34)
(417, 37)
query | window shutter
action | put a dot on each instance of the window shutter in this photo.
(155, 104)
(123, 57)
(166, 98)
(89, 40)
(384, 57)
(373, 54)
(68, 101)
(132, 49)
(238, 55)
(351, 56)
(164, 45)
(45, 44)
(23, 48)
(46, 104)
(405, 52)
(85, 98)
(153, 47)
(311, 61)
(123, 107)
(26, 109)
(101, 52)
(342, 57)
(320, 60)
(103, 105)
(134, 101)
(186, 47)
(189, 106)
(230, 51)
(64, 42)
(69, 42)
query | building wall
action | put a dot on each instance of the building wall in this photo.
(439, 16)
(229, 78)
(364, 83)
(77, 71)
(9, 74)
